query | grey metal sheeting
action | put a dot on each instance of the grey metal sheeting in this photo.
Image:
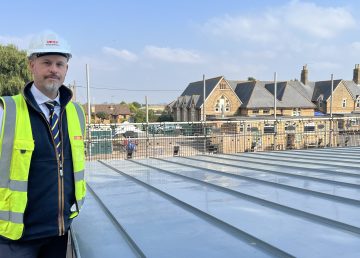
(302, 203)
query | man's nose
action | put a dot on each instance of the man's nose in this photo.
(53, 68)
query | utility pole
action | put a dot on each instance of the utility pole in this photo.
(204, 114)
(331, 111)
(88, 94)
(88, 108)
(147, 109)
(275, 93)
(73, 89)
(275, 97)
(204, 92)
(331, 95)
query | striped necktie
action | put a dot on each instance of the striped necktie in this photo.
(54, 124)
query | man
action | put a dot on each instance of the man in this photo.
(42, 184)
(130, 148)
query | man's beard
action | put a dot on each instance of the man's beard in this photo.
(52, 86)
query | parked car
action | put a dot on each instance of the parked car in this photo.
(164, 129)
(126, 127)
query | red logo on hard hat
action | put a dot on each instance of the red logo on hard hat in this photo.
(52, 42)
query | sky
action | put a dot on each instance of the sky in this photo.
(156, 48)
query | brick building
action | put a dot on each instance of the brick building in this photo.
(228, 98)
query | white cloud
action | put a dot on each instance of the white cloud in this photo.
(265, 54)
(285, 23)
(123, 54)
(261, 29)
(317, 21)
(326, 66)
(174, 55)
(355, 46)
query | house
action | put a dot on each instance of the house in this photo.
(338, 96)
(220, 101)
(229, 98)
(114, 113)
(258, 99)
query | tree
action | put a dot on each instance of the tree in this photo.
(14, 71)
(165, 117)
(136, 104)
(134, 107)
(140, 116)
(102, 115)
(251, 79)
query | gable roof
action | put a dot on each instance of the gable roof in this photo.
(186, 101)
(252, 95)
(260, 94)
(353, 88)
(111, 109)
(197, 89)
(305, 89)
(280, 89)
(290, 94)
(323, 88)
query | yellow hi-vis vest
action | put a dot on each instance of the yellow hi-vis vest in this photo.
(16, 148)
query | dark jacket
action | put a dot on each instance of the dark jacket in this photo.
(50, 196)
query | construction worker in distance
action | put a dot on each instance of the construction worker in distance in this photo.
(42, 159)
(130, 148)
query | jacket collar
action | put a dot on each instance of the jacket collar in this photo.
(65, 96)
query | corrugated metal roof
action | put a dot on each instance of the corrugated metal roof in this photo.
(302, 203)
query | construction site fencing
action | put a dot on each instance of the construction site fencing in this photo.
(151, 140)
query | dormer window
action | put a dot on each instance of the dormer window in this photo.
(320, 101)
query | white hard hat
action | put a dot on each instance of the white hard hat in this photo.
(48, 43)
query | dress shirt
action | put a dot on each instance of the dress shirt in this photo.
(40, 99)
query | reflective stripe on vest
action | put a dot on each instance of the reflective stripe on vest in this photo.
(16, 147)
(76, 136)
(7, 142)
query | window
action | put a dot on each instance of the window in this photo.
(255, 111)
(310, 127)
(344, 103)
(266, 111)
(222, 104)
(289, 128)
(241, 128)
(269, 128)
(320, 101)
(358, 102)
(222, 86)
(296, 112)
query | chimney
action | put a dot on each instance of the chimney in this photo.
(304, 75)
(356, 76)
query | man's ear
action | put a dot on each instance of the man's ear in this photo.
(31, 64)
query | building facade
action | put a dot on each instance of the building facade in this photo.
(227, 99)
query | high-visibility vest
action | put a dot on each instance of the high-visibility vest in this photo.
(16, 148)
